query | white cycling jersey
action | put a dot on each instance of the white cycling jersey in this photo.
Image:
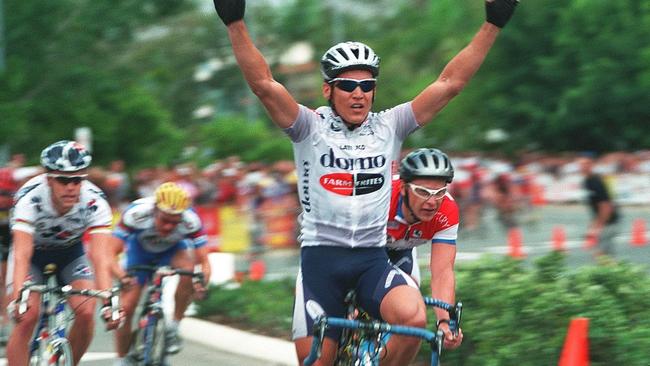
(344, 177)
(137, 226)
(35, 214)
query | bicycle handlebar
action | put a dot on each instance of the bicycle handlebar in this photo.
(165, 271)
(434, 339)
(67, 291)
(374, 326)
(455, 311)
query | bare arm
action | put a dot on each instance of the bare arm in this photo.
(116, 248)
(100, 254)
(443, 284)
(23, 249)
(279, 104)
(455, 75)
(443, 280)
(201, 257)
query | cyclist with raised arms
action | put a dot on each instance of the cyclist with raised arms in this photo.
(423, 212)
(343, 154)
(158, 231)
(51, 213)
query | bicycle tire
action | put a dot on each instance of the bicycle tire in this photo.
(63, 351)
(36, 359)
(155, 342)
(137, 346)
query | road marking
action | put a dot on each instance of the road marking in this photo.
(89, 356)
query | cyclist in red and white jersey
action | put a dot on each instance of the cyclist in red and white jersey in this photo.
(51, 213)
(422, 212)
(343, 154)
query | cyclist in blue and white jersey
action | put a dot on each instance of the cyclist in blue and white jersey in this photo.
(343, 153)
(51, 213)
(159, 231)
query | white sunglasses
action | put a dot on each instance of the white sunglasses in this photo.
(426, 193)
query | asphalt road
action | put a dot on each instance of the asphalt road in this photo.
(101, 353)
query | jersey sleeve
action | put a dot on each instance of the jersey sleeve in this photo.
(446, 223)
(123, 229)
(301, 127)
(102, 217)
(195, 233)
(22, 217)
(405, 122)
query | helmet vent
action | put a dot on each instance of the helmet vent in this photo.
(424, 161)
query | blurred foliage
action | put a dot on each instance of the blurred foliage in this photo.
(564, 75)
(519, 316)
(514, 314)
(262, 306)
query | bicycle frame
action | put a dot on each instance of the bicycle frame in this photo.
(52, 325)
(151, 321)
(49, 344)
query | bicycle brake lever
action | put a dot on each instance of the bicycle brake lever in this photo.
(115, 307)
(22, 301)
(457, 317)
(440, 336)
(321, 335)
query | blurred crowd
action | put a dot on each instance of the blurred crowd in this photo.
(266, 192)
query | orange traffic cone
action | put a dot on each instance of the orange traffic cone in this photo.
(559, 238)
(257, 270)
(515, 243)
(576, 344)
(639, 238)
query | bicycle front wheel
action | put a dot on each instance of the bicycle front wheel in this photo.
(58, 353)
(61, 353)
(154, 354)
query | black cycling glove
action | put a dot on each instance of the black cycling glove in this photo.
(230, 10)
(499, 11)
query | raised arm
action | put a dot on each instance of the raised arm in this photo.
(279, 104)
(464, 65)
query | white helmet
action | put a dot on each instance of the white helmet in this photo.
(348, 56)
(65, 156)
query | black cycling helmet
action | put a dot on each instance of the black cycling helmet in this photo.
(65, 156)
(426, 163)
(346, 56)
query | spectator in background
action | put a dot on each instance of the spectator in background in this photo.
(605, 216)
(7, 189)
(184, 175)
(116, 184)
(505, 200)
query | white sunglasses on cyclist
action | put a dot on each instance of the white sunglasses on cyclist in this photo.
(426, 193)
